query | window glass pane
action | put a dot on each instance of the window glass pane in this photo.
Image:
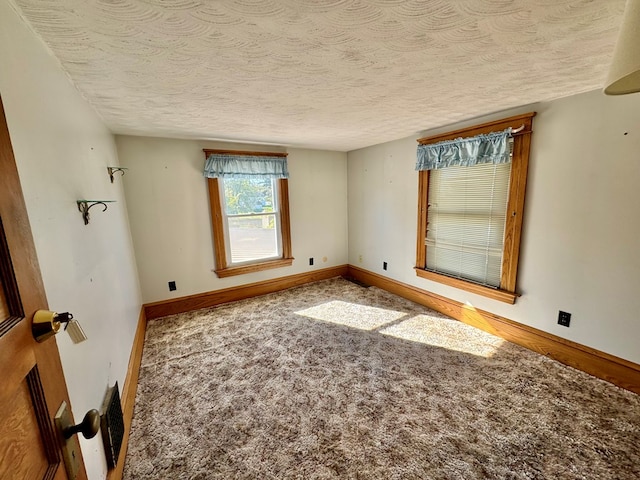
(248, 195)
(253, 238)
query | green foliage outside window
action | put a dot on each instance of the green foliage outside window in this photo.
(248, 195)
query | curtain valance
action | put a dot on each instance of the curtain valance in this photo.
(227, 165)
(486, 148)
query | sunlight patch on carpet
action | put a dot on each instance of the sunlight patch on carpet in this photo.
(449, 334)
(352, 315)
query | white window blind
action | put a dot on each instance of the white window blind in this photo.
(466, 221)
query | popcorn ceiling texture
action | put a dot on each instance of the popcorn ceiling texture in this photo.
(335, 381)
(331, 74)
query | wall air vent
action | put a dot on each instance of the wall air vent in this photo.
(112, 425)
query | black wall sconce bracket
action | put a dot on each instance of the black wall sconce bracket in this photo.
(113, 170)
(85, 205)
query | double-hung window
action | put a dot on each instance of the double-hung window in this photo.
(248, 195)
(471, 199)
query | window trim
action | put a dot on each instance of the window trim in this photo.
(515, 209)
(222, 269)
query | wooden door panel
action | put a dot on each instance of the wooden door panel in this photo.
(12, 310)
(32, 384)
(28, 442)
(21, 440)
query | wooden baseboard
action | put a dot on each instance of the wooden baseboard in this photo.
(618, 371)
(217, 297)
(128, 397)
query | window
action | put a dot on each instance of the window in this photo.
(470, 217)
(248, 195)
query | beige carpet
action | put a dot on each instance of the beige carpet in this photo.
(333, 380)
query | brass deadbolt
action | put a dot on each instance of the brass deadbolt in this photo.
(46, 323)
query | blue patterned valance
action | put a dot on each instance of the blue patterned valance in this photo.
(486, 148)
(227, 165)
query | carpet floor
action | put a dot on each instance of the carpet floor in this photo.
(333, 380)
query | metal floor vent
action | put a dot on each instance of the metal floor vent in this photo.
(112, 425)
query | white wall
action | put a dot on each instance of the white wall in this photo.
(62, 150)
(581, 227)
(171, 225)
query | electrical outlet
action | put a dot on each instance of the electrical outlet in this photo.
(384, 265)
(564, 318)
(311, 261)
(172, 286)
(359, 258)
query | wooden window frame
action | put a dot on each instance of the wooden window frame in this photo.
(515, 209)
(224, 270)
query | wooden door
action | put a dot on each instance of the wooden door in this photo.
(32, 384)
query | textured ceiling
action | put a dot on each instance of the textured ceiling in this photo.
(333, 74)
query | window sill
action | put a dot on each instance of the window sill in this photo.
(495, 294)
(253, 267)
